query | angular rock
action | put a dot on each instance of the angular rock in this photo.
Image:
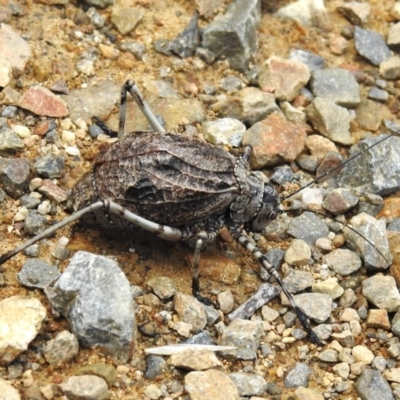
(162, 286)
(249, 384)
(274, 140)
(186, 43)
(52, 191)
(382, 292)
(211, 384)
(357, 13)
(50, 166)
(336, 84)
(285, 77)
(338, 201)
(376, 170)
(342, 261)
(371, 45)
(195, 360)
(95, 297)
(85, 386)
(297, 281)
(330, 120)
(37, 274)
(106, 371)
(244, 335)
(298, 376)
(329, 286)
(308, 227)
(316, 306)
(390, 68)
(313, 61)
(14, 176)
(375, 231)
(63, 348)
(125, 19)
(43, 102)
(9, 42)
(10, 141)
(20, 320)
(233, 36)
(371, 385)
(190, 311)
(224, 131)
(298, 253)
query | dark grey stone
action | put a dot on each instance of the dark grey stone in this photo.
(233, 36)
(50, 166)
(29, 202)
(282, 175)
(186, 43)
(14, 176)
(37, 274)
(34, 223)
(313, 61)
(378, 94)
(155, 365)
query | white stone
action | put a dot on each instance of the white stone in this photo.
(224, 131)
(20, 321)
(8, 392)
(363, 354)
(22, 131)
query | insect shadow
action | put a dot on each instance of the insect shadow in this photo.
(176, 188)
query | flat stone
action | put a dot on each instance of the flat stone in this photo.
(284, 77)
(186, 43)
(357, 13)
(8, 392)
(43, 102)
(298, 253)
(382, 292)
(10, 141)
(21, 319)
(313, 61)
(339, 200)
(302, 393)
(378, 94)
(63, 348)
(52, 191)
(378, 319)
(330, 120)
(307, 227)
(393, 39)
(14, 176)
(37, 274)
(195, 360)
(249, 384)
(13, 48)
(371, 385)
(211, 384)
(106, 371)
(336, 84)
(316, 306)
(90, 386)
(224, 131)
(125, 19)
(319, 146)
(298, 376)
(274, 140)
(297, 281)
(329, 286)
(162, 286)
(50, 166)
(371, 45)
(390, 68)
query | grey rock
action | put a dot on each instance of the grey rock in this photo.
(162, 46)
(3, 195)
(379, 363)
(249, 384)
(371, 45)
(348, 298)
(10, 141)
(378, 94)
(155, 366)
(298, 253)
(94, 131)
(50, 166)
(200, 338)
(382, 292)
(330, 120)
(336, 84)
(371, 385)
(316, 306)
(282, 175)
(29, 202)
(323, 331)
(185, 44)
(14, 176)
(307, 227)
(34, 223)
(289, 318)
(32, 251)
(60, 252)
(135, 48)
(244, 335)
(375, 231)
(298, 376)
(329, 355)
(95, 297)
(233, 36)
(125, 18)
(375, 171)
(38, 274)
(63, 348)
(95, 17)
(298, 280)
(394, 225)
(85, 386)
(231, 83)
(370, 203)
(190, 311)
(338, 201)
(313, 61)
(212, 315)
(342, 261)
(9, 112)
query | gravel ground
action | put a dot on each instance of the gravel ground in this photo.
(61, 63)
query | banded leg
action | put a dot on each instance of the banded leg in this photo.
(163, 231)
(242, 238)
(131, 87)
(203, 237)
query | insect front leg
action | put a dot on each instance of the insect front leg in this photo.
(243, 239)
